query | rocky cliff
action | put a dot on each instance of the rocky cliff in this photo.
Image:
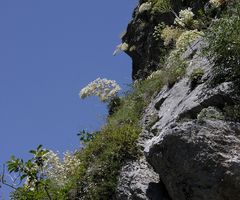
(175, 135)
(190, 149)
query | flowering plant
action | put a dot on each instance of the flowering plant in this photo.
(103, 88)
(39, 173)
(185, 18)
(59, 170)
(217, 3)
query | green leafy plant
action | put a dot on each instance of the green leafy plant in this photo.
(175, 67)
(114, 105)
(102, 158)
(32, 172)
(85, 137)
(170, 35)
(161, 6)
(223, 49)
(44, 176)
(232, 112)
(186, 38)
(197, 74)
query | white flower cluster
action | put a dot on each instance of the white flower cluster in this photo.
(59, 171)
(103, 88)
(145, 7)
(216, 3)
(157, 31)
(185, 17)
(30, 184)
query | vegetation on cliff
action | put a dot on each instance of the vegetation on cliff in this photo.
(92, 172)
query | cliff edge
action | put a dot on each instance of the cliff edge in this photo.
(190, 142)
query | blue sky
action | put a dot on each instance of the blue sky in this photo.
(49, 50)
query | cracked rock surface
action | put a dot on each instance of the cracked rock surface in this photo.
(185, 158)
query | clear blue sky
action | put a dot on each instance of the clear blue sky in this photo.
(49, 50)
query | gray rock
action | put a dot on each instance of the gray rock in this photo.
(171, 107)
(195, 161)
(198, 161)
(138, 181)
(185, 158)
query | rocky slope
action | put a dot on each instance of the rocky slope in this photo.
(189, 151)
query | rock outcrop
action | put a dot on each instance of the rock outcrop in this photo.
(145, 51)
(190, 151)
(192, 158)
(198, 161)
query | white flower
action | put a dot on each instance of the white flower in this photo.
(216, 3)
(59, 170)
(185, 17)
(103, 88)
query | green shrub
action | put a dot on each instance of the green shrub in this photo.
(197, 74)
(161, 6)
(102, 159)
(210, 113)
(223, 38)
(114, 105)
(25, 194)
(175, 67)
(232, 112)
(170, 35)
(186, 38)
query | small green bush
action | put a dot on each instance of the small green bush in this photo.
(175, 67)
(170, 35)
(210, 113)
(161, 6)
(196, 76)
(186, 38)
(232, 112)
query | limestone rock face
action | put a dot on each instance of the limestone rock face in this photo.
(190, 158)
(198, 161)
(189, 151)
(139, 182)
(144, 50)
